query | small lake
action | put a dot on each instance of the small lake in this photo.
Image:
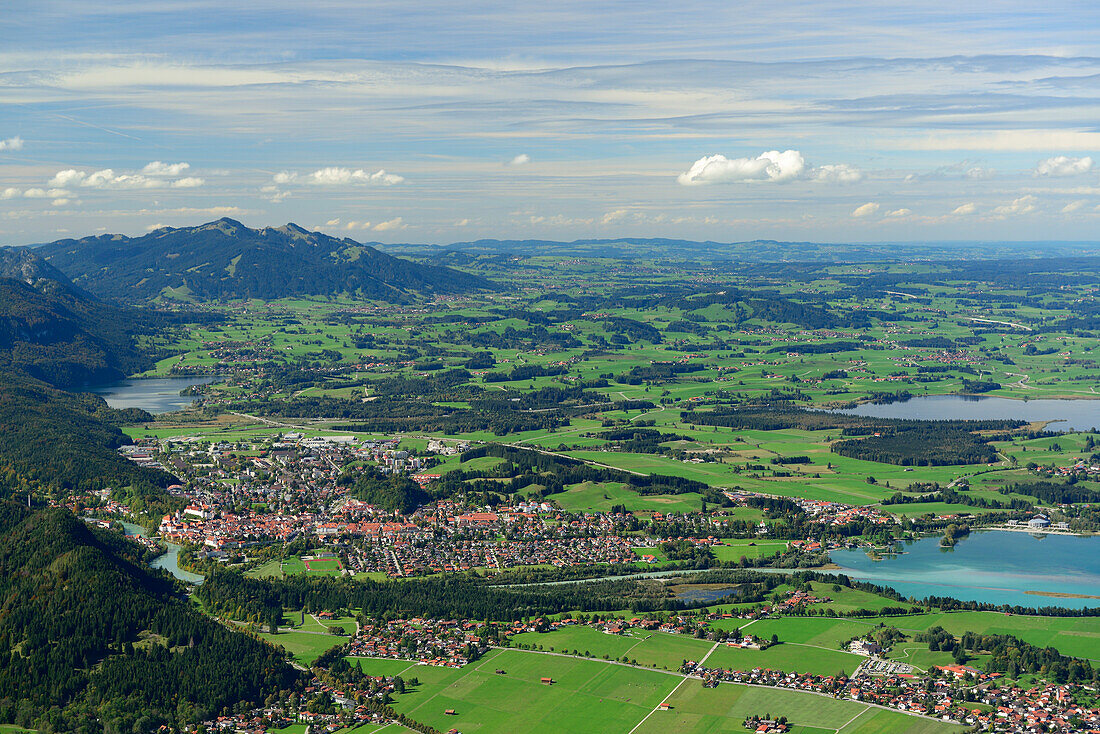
(169, 560)
(997, 567)
(707, 593)
(1072, 415)
(156, 394)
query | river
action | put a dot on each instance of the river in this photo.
(990, 566)
(169, 560)
(1071, 415)
(154, 394)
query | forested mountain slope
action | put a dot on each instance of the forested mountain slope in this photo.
(53, 338)
(225, 259)
(86, 632)
(65, 339)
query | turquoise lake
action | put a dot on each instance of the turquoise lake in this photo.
(994, 566)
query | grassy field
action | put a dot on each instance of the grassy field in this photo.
(789, 657)
(1079, 636)
(304, 646)
(594, 696)
(280, 568)
(698, 710)
(732, 549)
(651, 649)
(602, 496)
(657, 649)
(386, 666)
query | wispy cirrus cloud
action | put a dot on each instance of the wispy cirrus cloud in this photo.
(610, 112)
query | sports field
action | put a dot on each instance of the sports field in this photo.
(594, 696)
(328, 566)
(280, 568)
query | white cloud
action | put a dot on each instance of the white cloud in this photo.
(1073, 206)
(966, 209)
(980, 173)
(395, 223)
(334, 175)
(60, 202)
(390, 224)
(837, 173)
(1063, 165)
(67, 177)
(520, 159)
(462, 223)
(154, 227)
(15, 143)
(9, 193)
(157, 168)
(273, 193)
(770, 166)
(1024, 205)
(866, 210)
(37, 193)
(899, 213)
(189, 182)
(107, 179)
(616, 216)
(284, 177)
(333, 222)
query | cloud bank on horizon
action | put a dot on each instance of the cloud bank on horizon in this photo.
(433, 122)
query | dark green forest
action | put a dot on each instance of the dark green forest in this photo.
(92, 640)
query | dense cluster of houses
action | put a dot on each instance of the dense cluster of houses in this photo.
(451, 643)
(350, 704)
(1047, 708)
(950, 697)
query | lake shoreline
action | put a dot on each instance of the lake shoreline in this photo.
(990, 565)
(156, 395)
(1062, 415)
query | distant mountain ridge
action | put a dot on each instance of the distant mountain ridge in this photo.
(749, 251)
(225, 259)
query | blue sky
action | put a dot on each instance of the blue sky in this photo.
(437, 122)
